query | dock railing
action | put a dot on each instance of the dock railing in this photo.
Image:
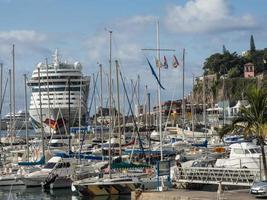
(225, 176)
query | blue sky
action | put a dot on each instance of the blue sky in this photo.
(77, 29)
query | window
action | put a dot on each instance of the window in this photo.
(49, 165)
(256, 150)
(238, 151)
(63, 165)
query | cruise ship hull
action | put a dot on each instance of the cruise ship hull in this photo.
(59, 119)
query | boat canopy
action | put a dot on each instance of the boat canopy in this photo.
(125, 165)
(39, 162)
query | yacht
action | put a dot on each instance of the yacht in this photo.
(61, 170)
(59, 165)
(63, 88)
(242, 155)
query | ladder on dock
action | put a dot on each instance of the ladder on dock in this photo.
(225, 176)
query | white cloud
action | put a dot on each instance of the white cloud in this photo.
(206, 16)
(126, 42)
(95, 46)
(26, 42)
(22, 36)
(138, 20)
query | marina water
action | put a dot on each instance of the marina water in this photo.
(23, 193)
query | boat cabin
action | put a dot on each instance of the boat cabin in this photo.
(57, 162)
(244, 149)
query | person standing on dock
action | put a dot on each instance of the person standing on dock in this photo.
(177, 172)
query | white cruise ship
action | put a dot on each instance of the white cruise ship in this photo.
(55, 104)
(19, 123)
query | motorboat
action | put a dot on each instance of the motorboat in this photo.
(58, 166)
(242, 155)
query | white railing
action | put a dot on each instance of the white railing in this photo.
(225, 176)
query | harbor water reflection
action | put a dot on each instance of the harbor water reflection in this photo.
(23, 193)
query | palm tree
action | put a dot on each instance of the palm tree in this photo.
(252, 119)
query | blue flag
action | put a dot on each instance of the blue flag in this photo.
(154, 74)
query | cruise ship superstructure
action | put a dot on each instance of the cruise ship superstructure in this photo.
(55, 80)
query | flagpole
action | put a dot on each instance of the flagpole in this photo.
(159, 84)
(159, 95)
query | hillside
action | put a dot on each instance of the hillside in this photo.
(224, 75)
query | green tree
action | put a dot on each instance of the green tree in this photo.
(222, 63)
(252, 44)
(252, 119)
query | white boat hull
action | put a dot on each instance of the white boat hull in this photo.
(10, 181)
(34, 181)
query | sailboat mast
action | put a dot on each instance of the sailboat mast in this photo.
(1, 94)
(80, 113)
(69, 115)
(124, 112)
(41, 113)
(183, 101)
(101, 110)
(223, 99)
(149, 126)
(110, 102)
(26, 116)
(192, 108)
(48, 97)
(204, 104)
(10, 106)
(14, 94)
(159, 96)
(118, 99)
(94, 98)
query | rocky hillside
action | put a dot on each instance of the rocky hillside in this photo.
(232, 89)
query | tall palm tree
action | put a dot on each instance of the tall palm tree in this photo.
(252, 119)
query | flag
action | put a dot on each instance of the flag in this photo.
(158, 63)
(154, 74)
(175, 62)
(165, 63)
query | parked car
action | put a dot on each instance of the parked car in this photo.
(259, 189)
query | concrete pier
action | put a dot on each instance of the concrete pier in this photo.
(192, 195)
